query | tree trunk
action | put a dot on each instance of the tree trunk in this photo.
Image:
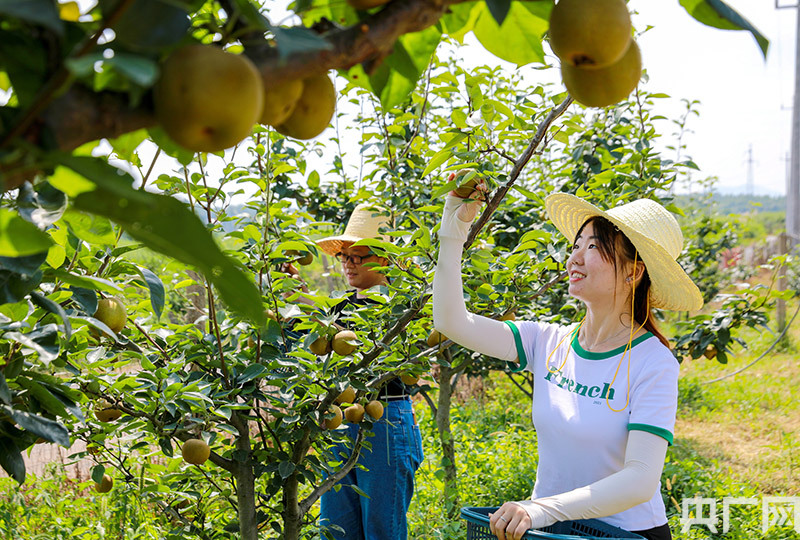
(245, 482)
(451, 500)
(292, 513)
(246, 500)
(291, 510)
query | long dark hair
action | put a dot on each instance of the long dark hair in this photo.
(616, 248)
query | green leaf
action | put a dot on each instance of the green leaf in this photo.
(285, 469)
(252, 371)
(139, 69)
(296, 40)
(458, 20)
(499, 9)
(125, 145)
(86, 298)
(39, 12)
(519, 38)
(84, 282)
(25, 61)
(45, 428)
(19, 238)
(43, 340)
(5, 392)
(170, 147)
(16, 312)
(11, 459)
(54, 308)
(97, 473)
(156, 290)
(252, 15)
(325, 10)
(83, 65)
(439, 158)
(93, 229)
(149, 25)
(15, 286)
(397, 76)
(165, 225)
(717, 14)
(22, 265)
(43, 206)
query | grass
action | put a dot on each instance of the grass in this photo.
(749, 422)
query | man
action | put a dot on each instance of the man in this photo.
(385, 473)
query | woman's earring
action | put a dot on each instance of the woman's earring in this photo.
(628, 279)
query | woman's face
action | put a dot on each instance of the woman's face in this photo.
(592, 278)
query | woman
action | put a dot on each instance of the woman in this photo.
(605, 388)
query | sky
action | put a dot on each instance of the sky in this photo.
(745, 101)
(744, 127)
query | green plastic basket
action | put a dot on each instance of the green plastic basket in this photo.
(583, 529)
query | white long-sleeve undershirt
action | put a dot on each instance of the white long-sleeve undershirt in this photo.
(634, 484)
(450, 315)
(639, 478)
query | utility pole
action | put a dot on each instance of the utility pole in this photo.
(793, 187)
(749, 186)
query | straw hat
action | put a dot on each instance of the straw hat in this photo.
(364, 222)
(652, 230)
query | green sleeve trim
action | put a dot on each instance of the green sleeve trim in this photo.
(661, 432)
(523, 360)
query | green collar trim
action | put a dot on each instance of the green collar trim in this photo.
(583, 353)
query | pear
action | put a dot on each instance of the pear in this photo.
(374, 409)
(195, 451)
(336, 420)
(111, 312)
(105, 484)
(605, 86)
(354, 414)
(342, 342)
(467, 189)
(435, 338)
(313, 111)
(105, 411)
(321, 346)
(280, 101)
(409, 379)
(590, 33)
(347, 395)
(207, 99)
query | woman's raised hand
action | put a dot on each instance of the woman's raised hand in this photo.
(474, 189)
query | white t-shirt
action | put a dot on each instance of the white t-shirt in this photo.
(581, 439)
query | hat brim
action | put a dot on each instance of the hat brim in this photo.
(671, 288)
(333, 244)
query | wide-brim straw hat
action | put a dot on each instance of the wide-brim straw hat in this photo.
(365, 222)
(652, 230)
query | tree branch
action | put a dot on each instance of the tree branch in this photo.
(80, 115)
(330, 481)
(500, 194)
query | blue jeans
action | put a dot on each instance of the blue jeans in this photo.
(388, 480)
